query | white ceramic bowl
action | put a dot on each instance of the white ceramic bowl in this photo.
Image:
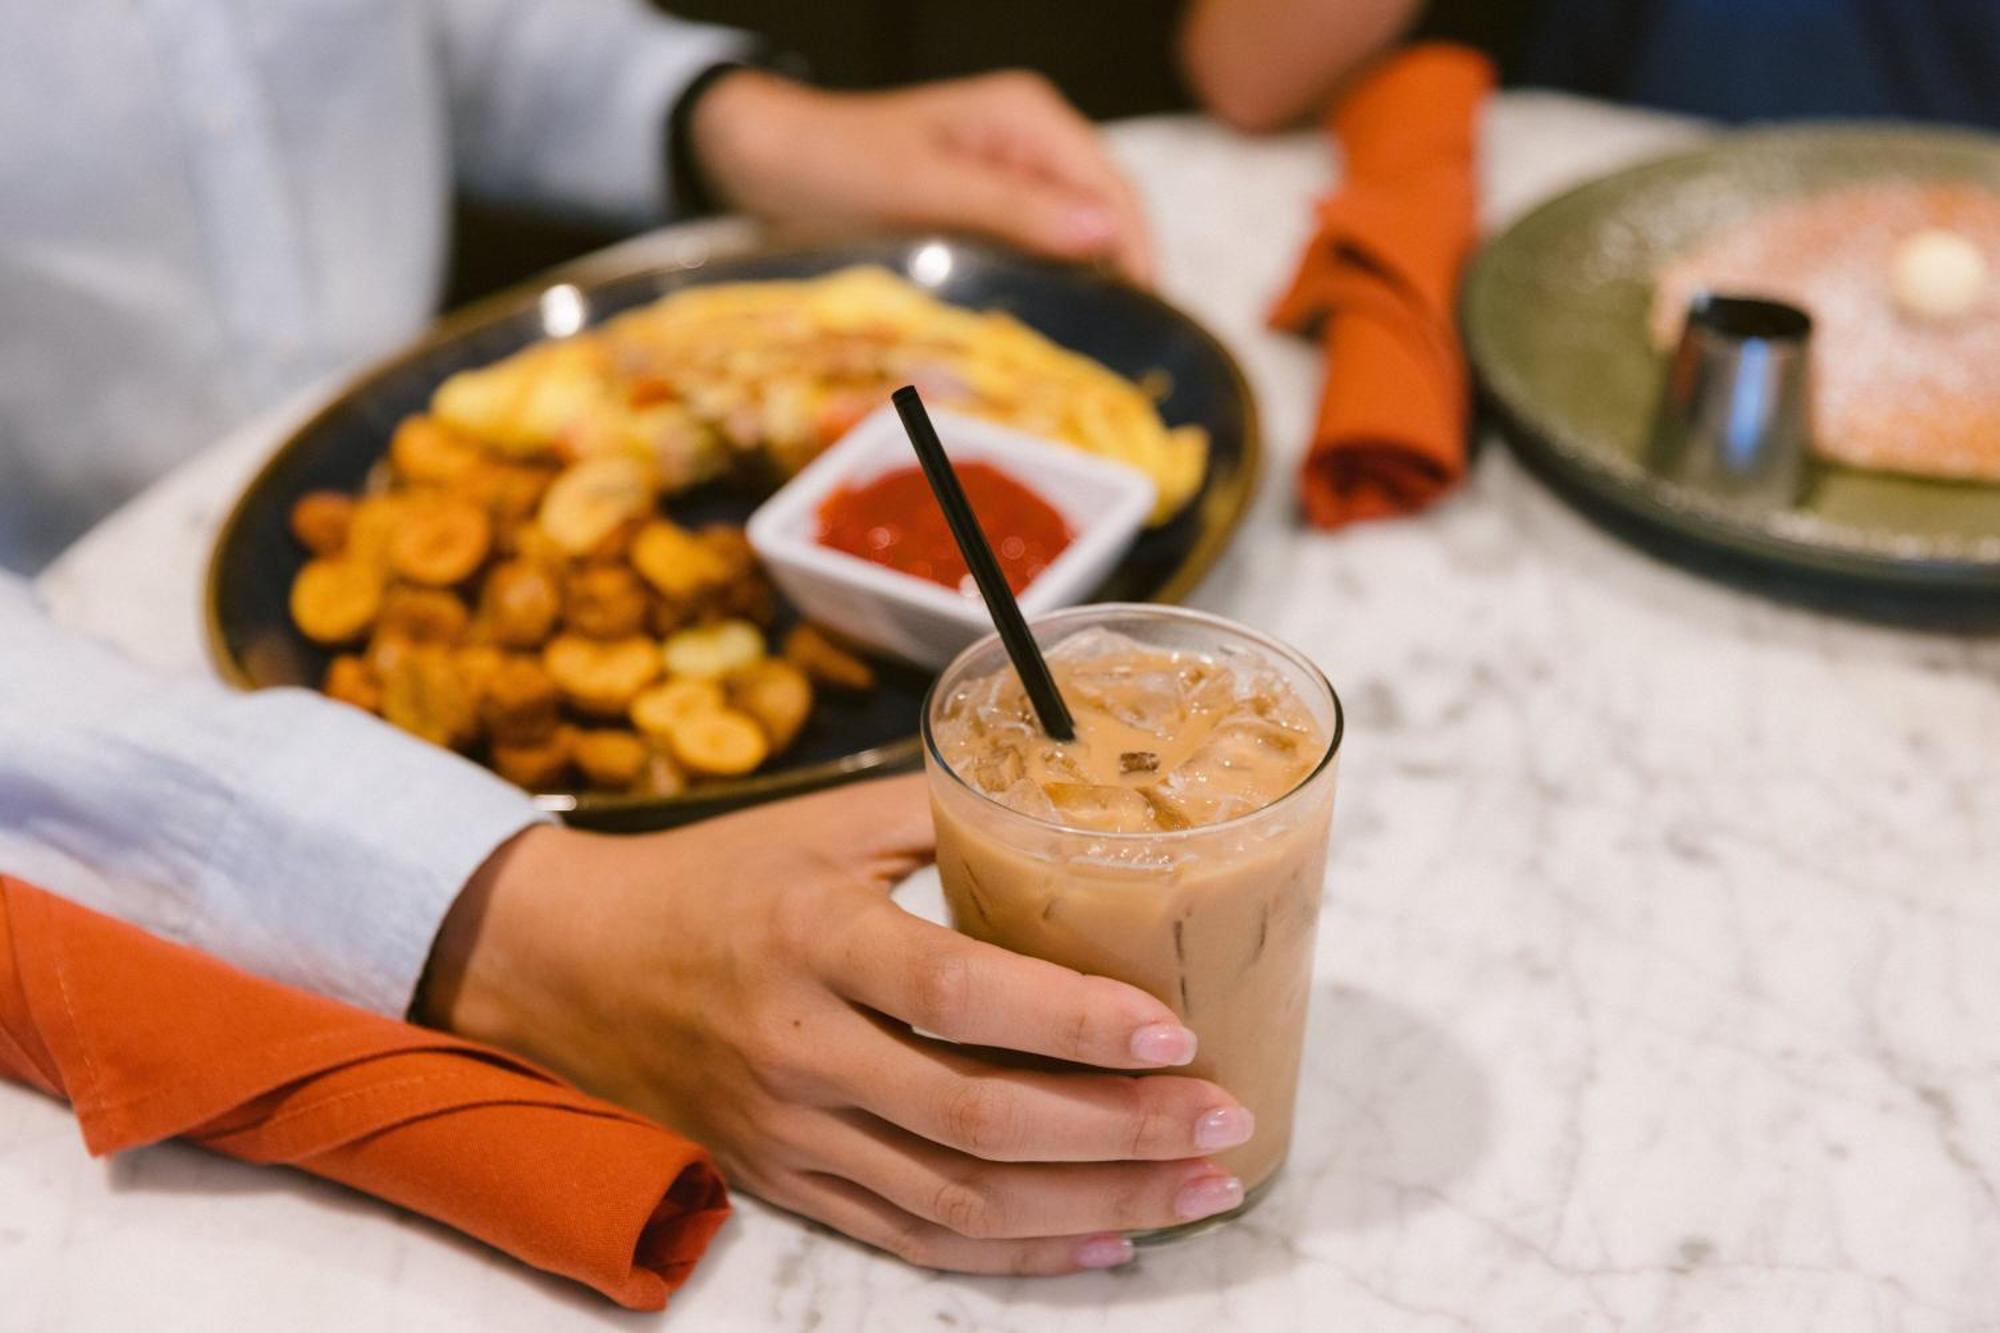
(1105, 504)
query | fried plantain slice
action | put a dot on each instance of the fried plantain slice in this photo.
(352, 681)
(680, 565)
(808, 648)
(713, 650)
(592, 499)
(441, 542)
(335, 600)
(660, 776)
(777, 694)
(422, 615)
(426, 452)
(610, 759)
(320, 520)
(604, 602)
(601, 676)
(520, 704)
(519, 604)
(723, 743)
(542, 765)
(655, 710)
(424, 693)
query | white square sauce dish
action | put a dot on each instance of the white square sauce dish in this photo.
(1103, 503)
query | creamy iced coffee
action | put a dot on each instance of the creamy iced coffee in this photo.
(1177, 844)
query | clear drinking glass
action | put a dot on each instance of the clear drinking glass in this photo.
(1217, 921)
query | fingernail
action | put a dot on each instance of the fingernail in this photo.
(1163, 1044)
(1224, 1128)
(1207, 1196)
(1105, 1252)
(1088, 225)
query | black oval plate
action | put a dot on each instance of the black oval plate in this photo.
(250, 632)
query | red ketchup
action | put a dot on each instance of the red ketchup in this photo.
(894, 520)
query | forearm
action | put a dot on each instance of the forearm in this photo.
(1259, 65)
(291, 835)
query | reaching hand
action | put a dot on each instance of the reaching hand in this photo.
(1002, 154)
(748, 981)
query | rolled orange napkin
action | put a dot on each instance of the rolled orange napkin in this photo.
(150, 1040)
(1378, 284)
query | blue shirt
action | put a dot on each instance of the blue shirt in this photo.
(1769, 59)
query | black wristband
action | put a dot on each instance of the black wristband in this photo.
(688, 193)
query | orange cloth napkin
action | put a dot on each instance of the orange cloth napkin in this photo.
(150, 1040)
(1379, 284)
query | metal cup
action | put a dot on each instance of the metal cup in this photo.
(1735, 415)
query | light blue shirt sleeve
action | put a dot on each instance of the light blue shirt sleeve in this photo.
(292, 835)
(564, 103)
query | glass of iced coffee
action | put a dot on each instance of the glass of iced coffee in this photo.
(1177, 844)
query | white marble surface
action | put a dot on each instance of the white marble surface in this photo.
(1660, 965)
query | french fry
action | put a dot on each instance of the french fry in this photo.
(320, 520)
(610, 759)
(334, 601)
(655, 710)
(777, 694)
(441, 543)
(601, 677)
(724, 743)
(809, 649)
(714, 650)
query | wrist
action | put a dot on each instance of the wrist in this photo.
(494, 967)
(731, 128)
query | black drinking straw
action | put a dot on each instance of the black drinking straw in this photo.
(1000, 603)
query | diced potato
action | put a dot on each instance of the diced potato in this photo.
(320, 520)
(809, 649)
(724, 743)
(680, 565)
(777, 694)
(334, 601)
(714, 650)
(655, 710)
(611, 759)
(601, 676)
(590, 501)
(441, 543)
(352, 681)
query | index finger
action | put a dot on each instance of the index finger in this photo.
(980, 995)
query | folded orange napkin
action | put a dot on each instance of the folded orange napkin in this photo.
(1378, 284)
(150, 1040)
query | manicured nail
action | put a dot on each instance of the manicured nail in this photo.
(1224, 1128)
(1163, 1044)
(1206, 1196)
(1105, 1251)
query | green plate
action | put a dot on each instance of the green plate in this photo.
(1555, 313)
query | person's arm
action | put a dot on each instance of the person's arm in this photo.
(291, 835)
(562, 105)
(568, 104)
(1260, 65)
(748, 981)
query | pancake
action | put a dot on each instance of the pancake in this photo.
(1890, 393)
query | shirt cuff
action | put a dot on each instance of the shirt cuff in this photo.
(344, 849)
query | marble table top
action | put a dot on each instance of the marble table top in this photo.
(1659, 972)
